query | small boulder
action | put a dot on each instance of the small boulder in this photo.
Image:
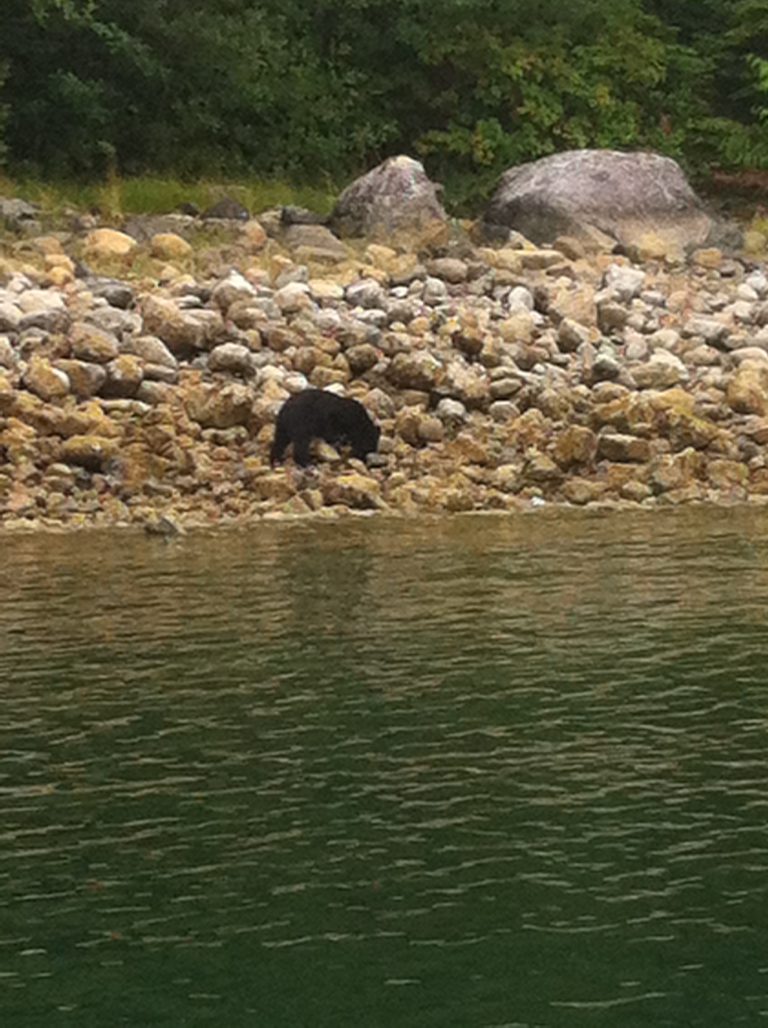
(92, 344)
(46, 381)
(107, 242)
(397, 196)
(167, 246)
(91, 452)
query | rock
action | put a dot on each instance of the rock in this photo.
(366, 293)
(176, 328)
(541, 469)
(466, 383)
(293, 297)
(571, 335)
(233, 358)
(254, 236)
(451, 412)
(435, 292)
(16, 214)
(725, 474)
(117, 294)
(107, 242)
(575, 445)
(611, 317)
(167, 246)
(231, 289)
(624, 282)
(227, 209)
(92, 344)
(449, 269)
(430, 429)
(624, 195)
(46, 381)
(151, 350)
(124, 376)
(614, 446)
(91, 452)
(353, 490)
(747, 390)
(710, 330)
(361, 358)
(42, 308)
(416, 370)
(217, 407)
(581, 491)
(662, 371)
(394, 197)
(7, 355)
(671, 472)
(606, 366)
(316, 242)
(86, 380)
(508, 478)
(10, 316)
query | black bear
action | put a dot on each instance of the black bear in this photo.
(316, 413)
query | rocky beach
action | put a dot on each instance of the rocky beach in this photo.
(142, 364)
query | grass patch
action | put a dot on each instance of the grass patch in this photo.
(153, 194)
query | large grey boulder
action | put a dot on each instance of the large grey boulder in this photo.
(640, 200)
(395, 197)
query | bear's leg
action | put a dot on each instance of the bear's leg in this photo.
(279, 444)
(301, 449)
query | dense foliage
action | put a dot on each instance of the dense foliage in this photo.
(324, 88)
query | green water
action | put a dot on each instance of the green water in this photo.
(475, 772)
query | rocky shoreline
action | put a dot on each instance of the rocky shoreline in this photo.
(141, 370)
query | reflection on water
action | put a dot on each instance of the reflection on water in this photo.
(477, 772)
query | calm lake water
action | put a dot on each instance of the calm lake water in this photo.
(477, 772)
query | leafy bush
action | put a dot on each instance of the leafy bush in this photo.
(319, 91)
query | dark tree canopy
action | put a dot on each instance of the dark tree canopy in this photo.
(306, 90)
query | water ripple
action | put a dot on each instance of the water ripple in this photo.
(482, 772)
